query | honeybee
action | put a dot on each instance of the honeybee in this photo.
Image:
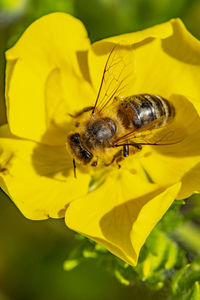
(117, 125)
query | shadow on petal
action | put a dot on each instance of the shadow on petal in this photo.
(128, 225)
(9, 71)
(105, 46)
(58, 121)
(118, 223)
(82, 58)
(190, 182)
(51, 160)
(54, 161)
(189, 52)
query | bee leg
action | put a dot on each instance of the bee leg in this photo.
(125, 150)
(95, 162)
(137, 147)
(79, 113)
(117, 155)
(120, 158)
(126, 153)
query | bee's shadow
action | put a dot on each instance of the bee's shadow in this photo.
(53, 161)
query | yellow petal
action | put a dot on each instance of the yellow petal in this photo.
(38, 178)
(121, 213)
(190, 182)
(47, 78)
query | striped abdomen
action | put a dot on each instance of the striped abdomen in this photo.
(140, 110)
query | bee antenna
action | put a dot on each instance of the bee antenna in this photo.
(74, 165)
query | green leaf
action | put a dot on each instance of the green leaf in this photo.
(195, 292)
(185, 283)
(171, 256)
(162, 255)
(177, 278)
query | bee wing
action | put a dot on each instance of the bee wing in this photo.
(163, 136)
(150, 135)
(117, 76)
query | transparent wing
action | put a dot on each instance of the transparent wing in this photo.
(150, 135)
(164, 136)
(118, 76)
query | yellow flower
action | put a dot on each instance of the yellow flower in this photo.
(52, 72)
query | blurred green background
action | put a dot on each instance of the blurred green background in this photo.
(32, 253)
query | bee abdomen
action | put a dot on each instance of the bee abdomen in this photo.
(140, 110)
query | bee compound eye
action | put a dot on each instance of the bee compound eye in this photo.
(75, 138)
(78, 148)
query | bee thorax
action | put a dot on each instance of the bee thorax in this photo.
(98, 133)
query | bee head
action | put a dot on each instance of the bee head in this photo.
(77, 148)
